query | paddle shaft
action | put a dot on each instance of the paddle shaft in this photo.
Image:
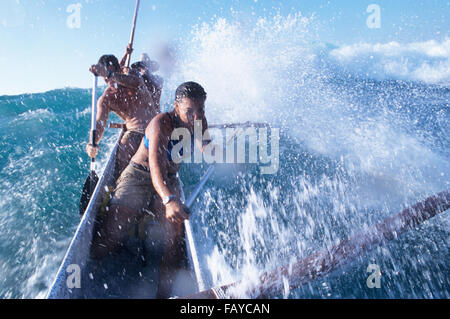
(92, 179)
(212, 126)
(188, 229)
(239, 125)
(133, 29)
(94, 118)
(187, 225)
(325, 261)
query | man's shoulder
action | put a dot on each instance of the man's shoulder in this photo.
(109, 96)
(137, 75)
(109, 91)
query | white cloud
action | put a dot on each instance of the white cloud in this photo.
(427, 61)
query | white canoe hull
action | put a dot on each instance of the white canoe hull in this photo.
(130, 273)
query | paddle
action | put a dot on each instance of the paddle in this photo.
(239, 125)
(187, 225)
(212, 126)
(325, 261)
(92, 179)
(189, 235)
(133, 29)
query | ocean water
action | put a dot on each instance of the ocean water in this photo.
(364, 132)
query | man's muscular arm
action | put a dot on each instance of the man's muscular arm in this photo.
(128, 52)
(132, 81)
(101, 121)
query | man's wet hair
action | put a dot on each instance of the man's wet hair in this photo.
(190, 90)
(110, 60)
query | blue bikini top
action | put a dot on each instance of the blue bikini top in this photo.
(171, 144)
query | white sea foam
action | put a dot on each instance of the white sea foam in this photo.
(269, 71)
(266, 70)
(32, 114)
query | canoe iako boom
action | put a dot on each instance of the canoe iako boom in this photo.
(327, 260)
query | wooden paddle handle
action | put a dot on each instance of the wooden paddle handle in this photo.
(133, 29)
(94, 118)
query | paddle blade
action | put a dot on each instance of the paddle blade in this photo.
(88, 190)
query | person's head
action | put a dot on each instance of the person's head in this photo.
(146, 65)
(109, 63)
(190, 100)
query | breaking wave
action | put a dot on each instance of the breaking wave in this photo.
(357, 145)
(354, 149)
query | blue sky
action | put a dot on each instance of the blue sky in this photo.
(38, 51)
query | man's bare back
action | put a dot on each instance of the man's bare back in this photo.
(129, 98)
(135, 106)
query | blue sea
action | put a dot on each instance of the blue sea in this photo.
(364, 132)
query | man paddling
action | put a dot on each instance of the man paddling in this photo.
(146, 67)
(154, 83)
(150, 183)
(129, 98)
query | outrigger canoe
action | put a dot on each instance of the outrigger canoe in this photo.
(132, 272)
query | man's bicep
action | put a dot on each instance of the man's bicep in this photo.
(132, 80)
(103, 110)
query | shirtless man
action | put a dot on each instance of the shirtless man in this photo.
(154, 83)
(129, 98)
(150, 183)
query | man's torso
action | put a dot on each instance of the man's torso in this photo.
(134, 106)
